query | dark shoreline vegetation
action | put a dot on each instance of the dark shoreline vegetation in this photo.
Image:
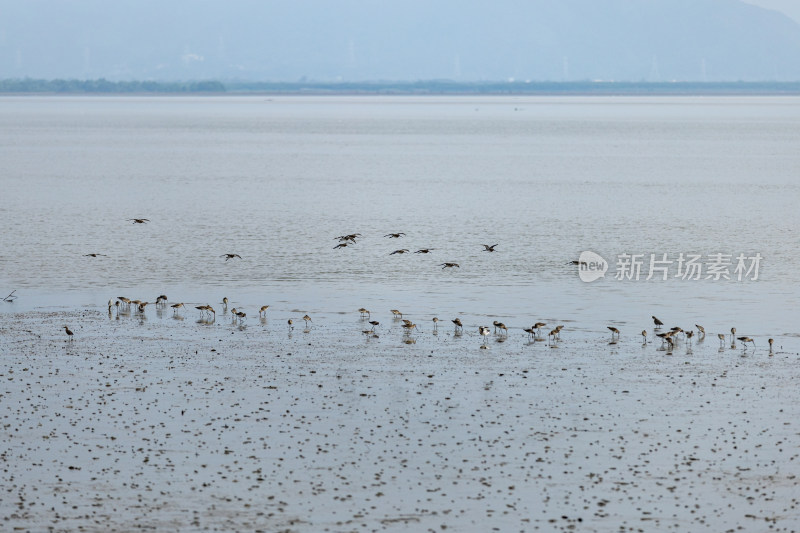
(428, 87)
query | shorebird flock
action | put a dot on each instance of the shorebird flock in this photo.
(351, 239)
(669, 339)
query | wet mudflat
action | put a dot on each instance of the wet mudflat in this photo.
(175, 425)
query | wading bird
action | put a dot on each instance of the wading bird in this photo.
(770, 341)
(721, 339)
(263, 310)
(745, 340)
(374, 323)
(408, 326)
(700, 329)
(307, 319)
(484, 330)
(459, 325)
(396, 313)
(175, 307)
(364, 312)
(435, 321)
(69, 333)
(614, 331)
(664, 337)
(644, 336)
(657, 322)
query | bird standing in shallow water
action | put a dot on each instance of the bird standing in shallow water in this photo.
(69, 333)
(745, 340)
(657, 322)
(614, 331)
(307, 319)
(770, 341)
(263, 310)
(459, 325)
(701, 330)
(721, 339)
(396, 313)
(644, 336)
(374, 323)
(484, 330)
(435, 323)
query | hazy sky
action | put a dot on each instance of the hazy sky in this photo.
(353, 40)
(788, 7)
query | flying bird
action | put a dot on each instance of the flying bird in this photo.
(449, 265)
(487, 248)
(404, 250)
(230, 256)
(140, 220)
(394, 235)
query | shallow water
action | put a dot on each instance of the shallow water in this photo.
(275, 179)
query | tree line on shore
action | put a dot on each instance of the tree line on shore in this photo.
(104, 86)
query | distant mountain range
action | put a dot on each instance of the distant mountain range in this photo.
(356, 40)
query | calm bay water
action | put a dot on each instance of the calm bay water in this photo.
(275, 179)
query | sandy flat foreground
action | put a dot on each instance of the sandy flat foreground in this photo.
(175, 425)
